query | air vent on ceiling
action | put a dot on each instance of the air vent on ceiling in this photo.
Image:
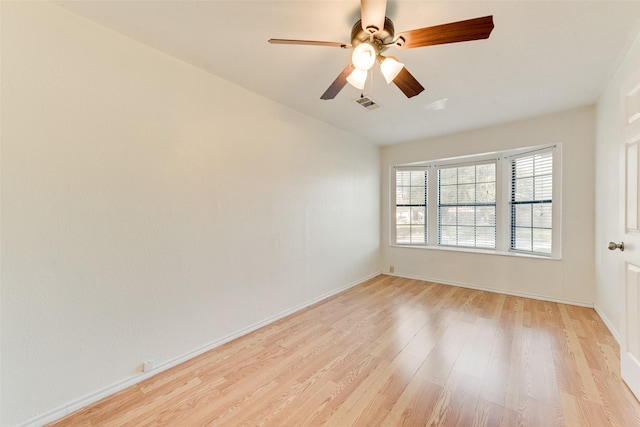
(367, 102)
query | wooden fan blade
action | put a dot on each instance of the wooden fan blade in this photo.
(373, 13)
(338, 83)
(454, 32)
(407, 83)
(310, 43)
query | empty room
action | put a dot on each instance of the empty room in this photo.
(319, 213)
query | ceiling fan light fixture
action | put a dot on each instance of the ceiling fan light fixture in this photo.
(364, 56)
(390, 68)
(374, 33)
(357, 78)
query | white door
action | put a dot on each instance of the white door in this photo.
(630, 339)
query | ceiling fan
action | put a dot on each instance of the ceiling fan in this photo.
(374, 33)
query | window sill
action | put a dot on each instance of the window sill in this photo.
(477, 251)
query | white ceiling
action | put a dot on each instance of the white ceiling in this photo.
(542, 57)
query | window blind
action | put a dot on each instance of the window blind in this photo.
(411, 206)
(531, 203)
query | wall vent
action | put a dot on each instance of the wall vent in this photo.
(367, 102)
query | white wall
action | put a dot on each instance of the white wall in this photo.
(150, 209)
(610, 193)
(570, 279)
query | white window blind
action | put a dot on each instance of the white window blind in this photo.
(531, 203)
(411, 206)
(467, 206)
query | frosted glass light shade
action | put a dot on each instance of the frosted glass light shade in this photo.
(390, 68)
(357, 78)
(364, 56)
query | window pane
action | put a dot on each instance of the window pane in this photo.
(523, 167)
(448, 176)
(417, 215)
(417, 178)
(486, 173)
(486, 216)
(522, 216)
(486, 237)
(523, 189)
(403, 195)
(486, 192)
(466, 236)
(403, 215)
(403, 178)
(467, 175)
(448, 235)
(467, 203)
(543, 163)
(448, 194)
(417, 234)
(523, 239)
(417, 195)
(466, 193)
(541, 240)
(448, 215)
(542, 215)
(543, 188)
(466, 215)
(402, 234)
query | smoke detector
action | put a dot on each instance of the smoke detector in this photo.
(440, 104)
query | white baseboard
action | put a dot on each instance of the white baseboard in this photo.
(497, 291)
(97, 395)
(607, 323)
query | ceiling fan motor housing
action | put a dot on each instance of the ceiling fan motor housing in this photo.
(380, 38)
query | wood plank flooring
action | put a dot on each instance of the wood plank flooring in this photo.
(395, 352)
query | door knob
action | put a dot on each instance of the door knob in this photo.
(613, 246)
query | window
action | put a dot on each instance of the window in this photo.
(531, 203)
(411, 206)
(467, 206)
(506, 203)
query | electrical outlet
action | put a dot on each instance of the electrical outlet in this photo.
(392, 269)
(148, 365)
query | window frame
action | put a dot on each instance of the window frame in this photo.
(503, 196)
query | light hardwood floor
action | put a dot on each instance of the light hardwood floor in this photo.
(393, 352)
